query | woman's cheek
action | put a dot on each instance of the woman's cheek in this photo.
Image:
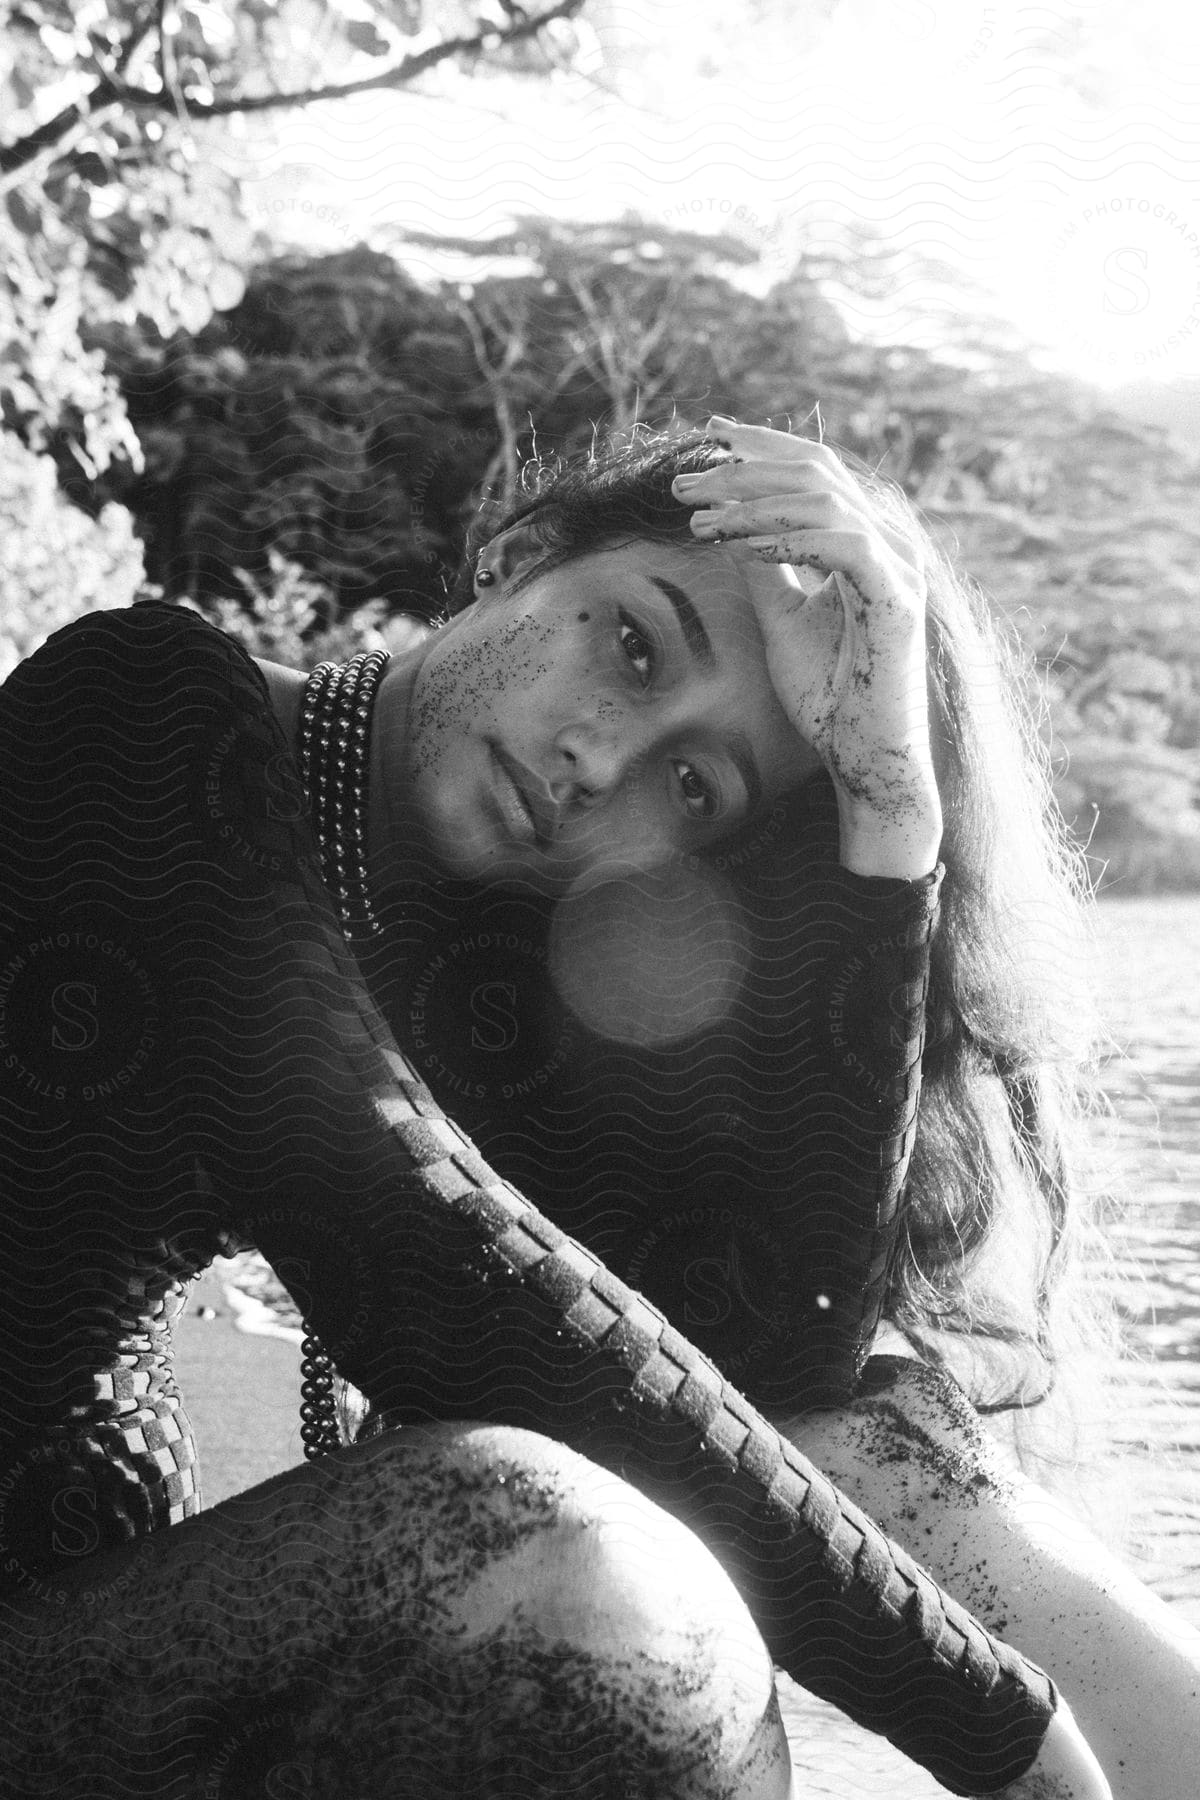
(649, 827)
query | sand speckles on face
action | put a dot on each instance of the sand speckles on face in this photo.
(470, 675)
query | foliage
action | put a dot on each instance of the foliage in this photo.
(55, 563)
(123, 238)
(608, 324)
(1091, 547)
(283, 620)
(335, 416)
(349, 419)
(200, 60)
(119, 223)
(118, 219)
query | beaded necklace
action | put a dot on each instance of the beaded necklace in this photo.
(335, 725)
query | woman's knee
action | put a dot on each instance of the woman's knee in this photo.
(525, 1521)
(581, 1588)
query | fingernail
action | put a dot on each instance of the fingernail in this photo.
(685, 483)
(719, 422)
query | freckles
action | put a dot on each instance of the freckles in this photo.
(471, 677)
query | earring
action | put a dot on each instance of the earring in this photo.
(485, 577)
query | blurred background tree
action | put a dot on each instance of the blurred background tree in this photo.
(121, 234)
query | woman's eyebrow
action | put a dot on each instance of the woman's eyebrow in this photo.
(692, 625)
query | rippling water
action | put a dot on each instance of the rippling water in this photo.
(1153, 1140)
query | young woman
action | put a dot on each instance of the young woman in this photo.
(191, 1062)
(686, 1163)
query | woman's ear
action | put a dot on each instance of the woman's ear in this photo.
(505, 556)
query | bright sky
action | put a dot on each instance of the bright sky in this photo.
(1051, 153)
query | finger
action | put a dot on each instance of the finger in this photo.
(729, 482)
(774, 513)
(764, 441)
(857, 555)
(756, 478)
(725, 521)
(758, 447)
(719, 520)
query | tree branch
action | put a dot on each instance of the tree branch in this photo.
(50, 139)
(400, 74)
(505, 463)
(55, 134)
(110, 91)
(165, 59)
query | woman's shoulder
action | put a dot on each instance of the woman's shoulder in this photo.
(134, 708)
(152, 731)
(148, 627)
(132, 668)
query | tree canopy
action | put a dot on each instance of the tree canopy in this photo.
(117, 217)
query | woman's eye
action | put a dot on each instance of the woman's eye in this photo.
(699, 798)
(637, 647)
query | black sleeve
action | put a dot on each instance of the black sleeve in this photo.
(744, 1173)
(150, 785)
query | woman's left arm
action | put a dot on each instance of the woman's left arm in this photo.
(913, 1453)
(847, 660)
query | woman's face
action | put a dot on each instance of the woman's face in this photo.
(611, 715)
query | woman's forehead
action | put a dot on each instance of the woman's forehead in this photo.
(708, 578)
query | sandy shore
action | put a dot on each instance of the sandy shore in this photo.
(242, 1391)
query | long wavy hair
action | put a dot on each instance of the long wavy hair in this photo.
(995, 1277)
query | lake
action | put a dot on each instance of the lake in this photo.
(1153, 1141)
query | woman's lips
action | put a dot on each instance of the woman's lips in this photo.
(515, 807)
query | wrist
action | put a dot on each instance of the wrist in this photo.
(901, 842)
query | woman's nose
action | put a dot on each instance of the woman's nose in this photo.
(594, 760)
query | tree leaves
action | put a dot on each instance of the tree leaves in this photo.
(366, 37)
(55, 562)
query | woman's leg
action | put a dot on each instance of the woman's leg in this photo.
(457, 1611)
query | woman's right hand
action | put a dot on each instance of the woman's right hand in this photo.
(1065, 1768)
(849, 660)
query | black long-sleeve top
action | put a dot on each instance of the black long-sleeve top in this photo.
(191, 1062)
